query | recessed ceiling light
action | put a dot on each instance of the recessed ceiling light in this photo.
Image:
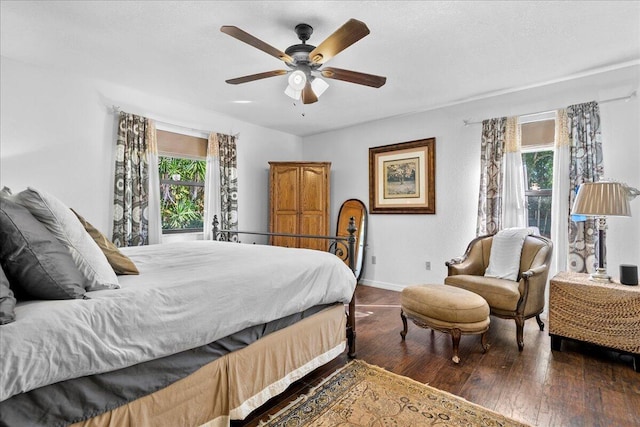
(242, 102)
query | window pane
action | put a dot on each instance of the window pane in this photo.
(178, 169)
(182, 193)
(539, 211)
(538, 167)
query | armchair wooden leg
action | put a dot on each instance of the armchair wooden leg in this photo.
(520, 332)
(540, 322)
(403, 333)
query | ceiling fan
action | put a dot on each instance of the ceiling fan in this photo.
(305, 61)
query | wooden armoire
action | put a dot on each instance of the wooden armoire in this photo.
(299, 203)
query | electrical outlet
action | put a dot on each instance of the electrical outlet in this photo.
(427, 265)
(373, 259)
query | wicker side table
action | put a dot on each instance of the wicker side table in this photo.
(606, 314)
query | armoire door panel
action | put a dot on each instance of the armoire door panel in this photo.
(283, 221)
(314, 187)
(313, 224)
(286, 189)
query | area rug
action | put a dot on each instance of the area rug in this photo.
(360, 394)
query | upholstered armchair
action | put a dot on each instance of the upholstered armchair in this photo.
(508, 299)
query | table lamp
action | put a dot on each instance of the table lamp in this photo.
(602, 199)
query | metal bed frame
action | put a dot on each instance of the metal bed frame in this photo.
(340, 246)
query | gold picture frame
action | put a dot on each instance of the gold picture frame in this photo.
(402, 178)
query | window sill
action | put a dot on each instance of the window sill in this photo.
(182, 237)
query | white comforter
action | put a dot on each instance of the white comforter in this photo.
(187, 294)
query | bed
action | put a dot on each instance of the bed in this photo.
(206, 333)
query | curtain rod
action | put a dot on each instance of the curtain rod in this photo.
(116, 109)
(620, 98)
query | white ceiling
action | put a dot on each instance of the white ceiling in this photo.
(432, 53)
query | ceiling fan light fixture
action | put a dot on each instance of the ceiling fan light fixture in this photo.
(292, 93)
(297, 80)
(319, 86)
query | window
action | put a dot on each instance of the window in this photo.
(182, 168)
(181, 194)
(537, 160)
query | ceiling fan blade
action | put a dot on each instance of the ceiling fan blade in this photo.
(255, 42)
(258, 76)
(341, 39)
(353, 77)
(308, 96)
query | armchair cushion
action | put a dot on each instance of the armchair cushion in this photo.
(504, 260)
(500, 294)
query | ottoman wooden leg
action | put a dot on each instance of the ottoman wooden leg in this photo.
(403, 333)
(455, 337)
(483, 341)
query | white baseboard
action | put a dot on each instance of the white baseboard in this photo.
(382, 285)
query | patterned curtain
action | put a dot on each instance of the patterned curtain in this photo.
(131, 199)
(585, 166)
(228, 183)
(491, 176)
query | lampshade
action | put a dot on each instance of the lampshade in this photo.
(602, 199)
(319, 86)
(297, 80)
(292, 93)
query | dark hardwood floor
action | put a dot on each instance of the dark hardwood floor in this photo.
(582, 385)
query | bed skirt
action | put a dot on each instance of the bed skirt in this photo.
(234, 385)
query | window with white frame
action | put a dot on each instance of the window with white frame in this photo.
(182, 168)
(537, 160)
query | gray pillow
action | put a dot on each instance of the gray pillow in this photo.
(66, 227)
(33, 259)
(7, 301)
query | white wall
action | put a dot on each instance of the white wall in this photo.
(402, 243)
(58, 134)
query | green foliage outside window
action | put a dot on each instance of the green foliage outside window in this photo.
(181, 193)
(539, 167)
(539, 172)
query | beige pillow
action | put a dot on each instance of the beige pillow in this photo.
(120, 263)
(66, 227)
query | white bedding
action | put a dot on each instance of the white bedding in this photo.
(187, 294)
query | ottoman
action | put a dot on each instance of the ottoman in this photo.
(455, 311)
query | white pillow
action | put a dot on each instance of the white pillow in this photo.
(66, 227)
(506, 248)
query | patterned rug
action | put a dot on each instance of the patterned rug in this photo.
(360, 394)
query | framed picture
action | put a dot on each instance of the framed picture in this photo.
(402, 178)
